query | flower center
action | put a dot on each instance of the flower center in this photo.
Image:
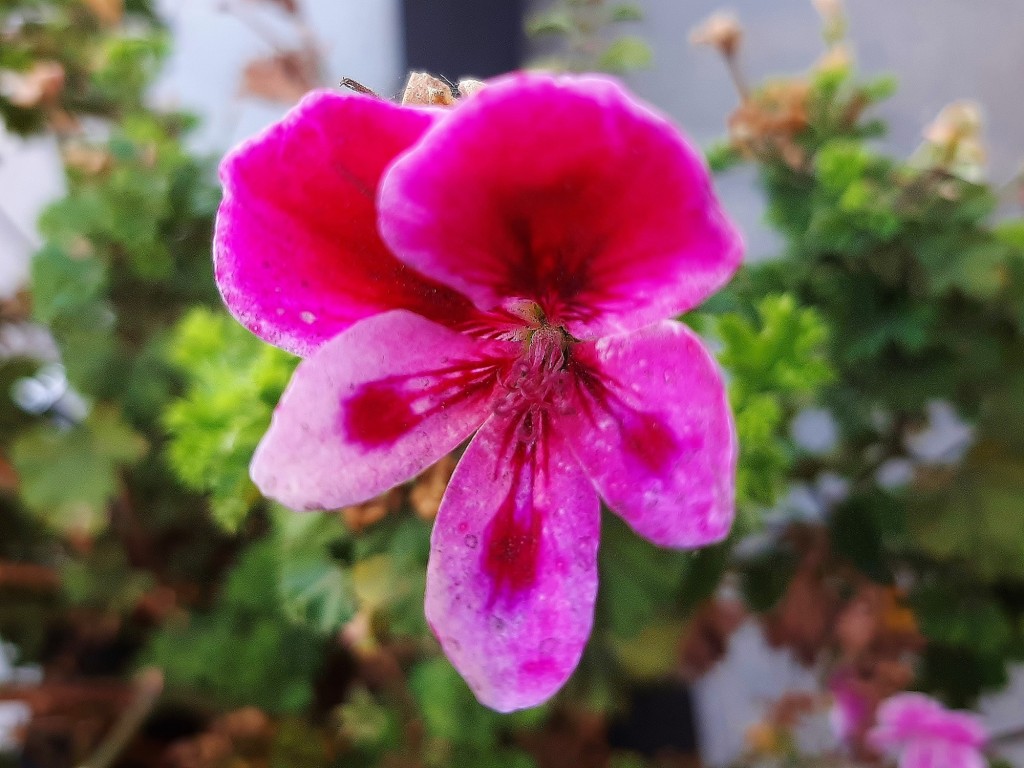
(538, 381)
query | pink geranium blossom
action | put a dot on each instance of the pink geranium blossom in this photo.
(921, 733)
(503, 268)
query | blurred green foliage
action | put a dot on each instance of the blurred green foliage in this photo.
(586, 41)
(894, 290)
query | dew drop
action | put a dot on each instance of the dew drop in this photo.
(308, 317)
(471, 541)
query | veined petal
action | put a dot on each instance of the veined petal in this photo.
(651, 425)
(566, 192)
(929, 753)
(513, 566)
(372, 408)
(297, 255)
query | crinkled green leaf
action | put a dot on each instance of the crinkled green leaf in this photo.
(70, 475)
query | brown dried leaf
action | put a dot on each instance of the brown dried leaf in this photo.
(284, 77)
(109, 12)
(290, 7)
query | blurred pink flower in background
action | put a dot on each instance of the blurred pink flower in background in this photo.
(505, 268)
(851, 708)
(920, 733)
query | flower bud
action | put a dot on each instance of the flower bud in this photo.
(424, 89)
(721, 30)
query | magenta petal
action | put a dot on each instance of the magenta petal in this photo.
(513, 567)
(939, 754)
(372, 408)
(912, 717)
(566, 192)
(297, 255)
(651, 425)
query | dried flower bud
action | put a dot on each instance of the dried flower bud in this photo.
(721, 30)
(426, 89)
(40, 85)
(954, 141)
(762, 739)
(956, 122)
(360, 516)
(837, 58)
(468, 87)
(831, 10)
(86, 159)
(429, 487)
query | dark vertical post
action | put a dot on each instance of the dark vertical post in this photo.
(464, 38)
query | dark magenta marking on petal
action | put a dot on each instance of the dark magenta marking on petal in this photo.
(645, 436)
(648, 440)
(543, 668)
(511, 552)
(378, 414)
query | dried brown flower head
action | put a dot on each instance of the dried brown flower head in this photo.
(722, 31)
(40, 86)
(770, 120)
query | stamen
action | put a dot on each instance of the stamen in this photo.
(537, 382)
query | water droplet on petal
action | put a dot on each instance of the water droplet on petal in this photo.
(308, 317)
(471, 541)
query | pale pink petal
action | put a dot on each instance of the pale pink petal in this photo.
(940, 754)
(566, 192)
(372, 408)
(651, 425)
(907, 717)
(296, 253)
(513, 566)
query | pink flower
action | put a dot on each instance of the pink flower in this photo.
(851, 710)
(921, 733)
(503, 268)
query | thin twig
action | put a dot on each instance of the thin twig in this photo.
(355, 85)
(149, 684)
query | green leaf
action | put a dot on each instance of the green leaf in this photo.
(627, 12)
(981, 520)
(69, 476)
(233, 383)
(450, 711)
(243, 652)
(315, 588)
(66, 289)
(557, 21)
(638, 581)
(626, 54)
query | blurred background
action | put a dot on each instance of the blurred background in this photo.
(133, 550)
